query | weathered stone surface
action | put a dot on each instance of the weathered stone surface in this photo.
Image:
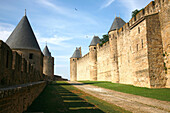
(137, 54)
(17, 98)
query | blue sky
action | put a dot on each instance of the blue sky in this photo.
(64, 28)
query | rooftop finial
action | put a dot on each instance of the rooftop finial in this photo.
(25, 12)
(46, 43)
(115, 14)
(119, 14)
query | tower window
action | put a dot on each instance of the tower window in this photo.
(139, 30)
(73, 59)
(94, 48)
(30, 56)
(114, 57)
(137, 47)
(142, 42)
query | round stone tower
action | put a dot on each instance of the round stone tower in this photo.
(24, 42)
(48, 63)
(93, 58)
(117, 24)
(73, 64)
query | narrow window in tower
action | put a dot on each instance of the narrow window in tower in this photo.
(30, 56)
(73, 59)
(94, 48)
(7, 59)
(114, 57)
(142, 42)
(137, 47)
(139, 30)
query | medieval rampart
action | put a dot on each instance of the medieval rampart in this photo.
(83, 68)
(103, 62)
(14, 69)
(137, 53)
(20, 82)
(16, 99)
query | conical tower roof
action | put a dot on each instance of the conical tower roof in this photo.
(46, 51)
(23, 36)
(76, 54)
(117, 24)
(95, 41)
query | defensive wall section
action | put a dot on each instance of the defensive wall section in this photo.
(17, 99)
(20, 82)
(138, 53)
(149, 46)
(83, 68)
(103, 63)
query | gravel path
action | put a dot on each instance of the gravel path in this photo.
(133, 103)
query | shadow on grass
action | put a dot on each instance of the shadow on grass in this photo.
(55, 99)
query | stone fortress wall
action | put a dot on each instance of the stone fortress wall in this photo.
(48, 68)
(103, 63)
(137, 53)
(17, 99)
(83, 69)
(20, 82)
(15, 69)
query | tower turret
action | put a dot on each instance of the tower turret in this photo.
(23, 41)
(117, 24)
(48, 63)
(93, 57)
(73, 64)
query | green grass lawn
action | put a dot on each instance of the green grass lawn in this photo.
(62, 97)
(160, 94)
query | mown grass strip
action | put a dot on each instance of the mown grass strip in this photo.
(103, 105)
(160, 94)
(63, 97)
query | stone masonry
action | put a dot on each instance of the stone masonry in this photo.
(137, 53)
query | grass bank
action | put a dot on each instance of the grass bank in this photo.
(160, 94)
(63, 97)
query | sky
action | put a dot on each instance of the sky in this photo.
(65, 24)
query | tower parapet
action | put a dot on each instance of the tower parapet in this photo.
(93, 58)
(117, 24)
(73, 64)
(23, 41)
(48, 63)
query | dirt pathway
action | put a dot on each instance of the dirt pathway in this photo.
(133, 103)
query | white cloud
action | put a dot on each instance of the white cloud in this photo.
(107, 3)
(135, 4)
(55, 40)
(5, 31)
(59, 9)
(71, 13)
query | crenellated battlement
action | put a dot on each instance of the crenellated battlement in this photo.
(152, 8)
(103, 46)
(15, 69)
(86, 55)
(134, 52)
